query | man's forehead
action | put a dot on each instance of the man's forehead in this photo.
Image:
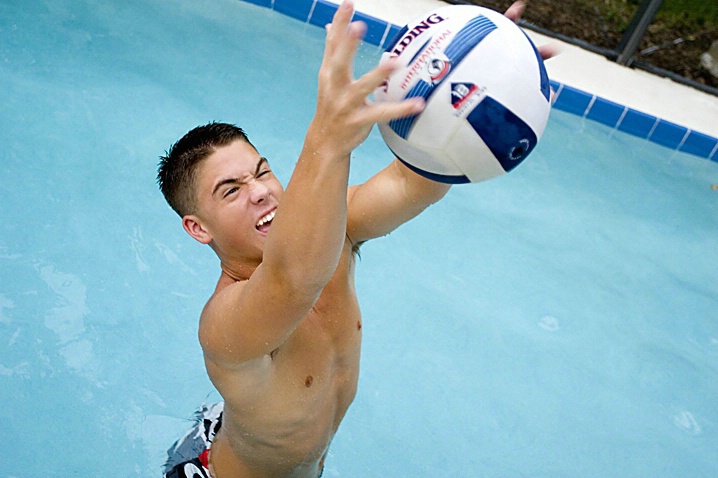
(230, 158)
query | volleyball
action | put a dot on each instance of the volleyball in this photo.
(486, 89)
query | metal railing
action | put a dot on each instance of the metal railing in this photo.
(633, 36)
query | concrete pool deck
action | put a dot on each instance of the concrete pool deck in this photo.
(593, 74)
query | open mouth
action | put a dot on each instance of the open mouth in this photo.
(265, 222)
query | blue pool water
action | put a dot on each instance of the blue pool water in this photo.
(560, 321)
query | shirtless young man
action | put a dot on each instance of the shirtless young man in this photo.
(281, 334)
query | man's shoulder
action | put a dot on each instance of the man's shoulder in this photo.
(215, 314)
(225, 290)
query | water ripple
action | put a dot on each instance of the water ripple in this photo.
(687, 422)
(550, 323)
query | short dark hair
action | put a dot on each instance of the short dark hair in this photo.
(177, 169)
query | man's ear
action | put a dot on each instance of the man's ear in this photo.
(194, 228)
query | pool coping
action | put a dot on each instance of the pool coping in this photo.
(567, 98)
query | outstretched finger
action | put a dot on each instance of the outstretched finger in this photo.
(383, 112)
(549, 51)
(347, 47)
(372, 79)
(515, 11)
(338, 28)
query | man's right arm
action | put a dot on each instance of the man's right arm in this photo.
(252, 318)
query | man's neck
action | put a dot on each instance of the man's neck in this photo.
(232, 273)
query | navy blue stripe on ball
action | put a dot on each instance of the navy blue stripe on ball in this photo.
(545, 83)
(441, 178)
(402, 126)
(508, 137)
(473, 32)
(468, 37)
(396, 38)
(419, 51)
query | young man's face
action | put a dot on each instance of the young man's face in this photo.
(237, 194)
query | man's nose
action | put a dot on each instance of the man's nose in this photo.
(258, 191)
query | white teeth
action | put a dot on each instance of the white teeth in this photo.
(266, 218)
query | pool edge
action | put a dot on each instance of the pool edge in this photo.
(567, 98)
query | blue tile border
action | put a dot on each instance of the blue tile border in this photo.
(605, 112)
(261, 3)
(668, 134)
(376, 29)
(636, 123)
(567, 98)
(299, 10)
(571, 100)
(322, 13)
(702, 145)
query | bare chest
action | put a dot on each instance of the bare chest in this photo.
(326, 345)
(332, 329)
(307, 384)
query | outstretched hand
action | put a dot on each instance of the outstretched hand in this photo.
(514, 13)
(546, 51)
(344, 115)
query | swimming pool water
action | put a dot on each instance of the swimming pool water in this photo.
(558, 321)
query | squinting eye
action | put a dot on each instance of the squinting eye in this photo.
(230, 191)
(266, 171)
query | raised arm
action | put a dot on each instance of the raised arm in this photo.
(251, 318)
(396, 194)
(390, 198)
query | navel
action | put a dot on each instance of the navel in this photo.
(358, 324)
(308, 381)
